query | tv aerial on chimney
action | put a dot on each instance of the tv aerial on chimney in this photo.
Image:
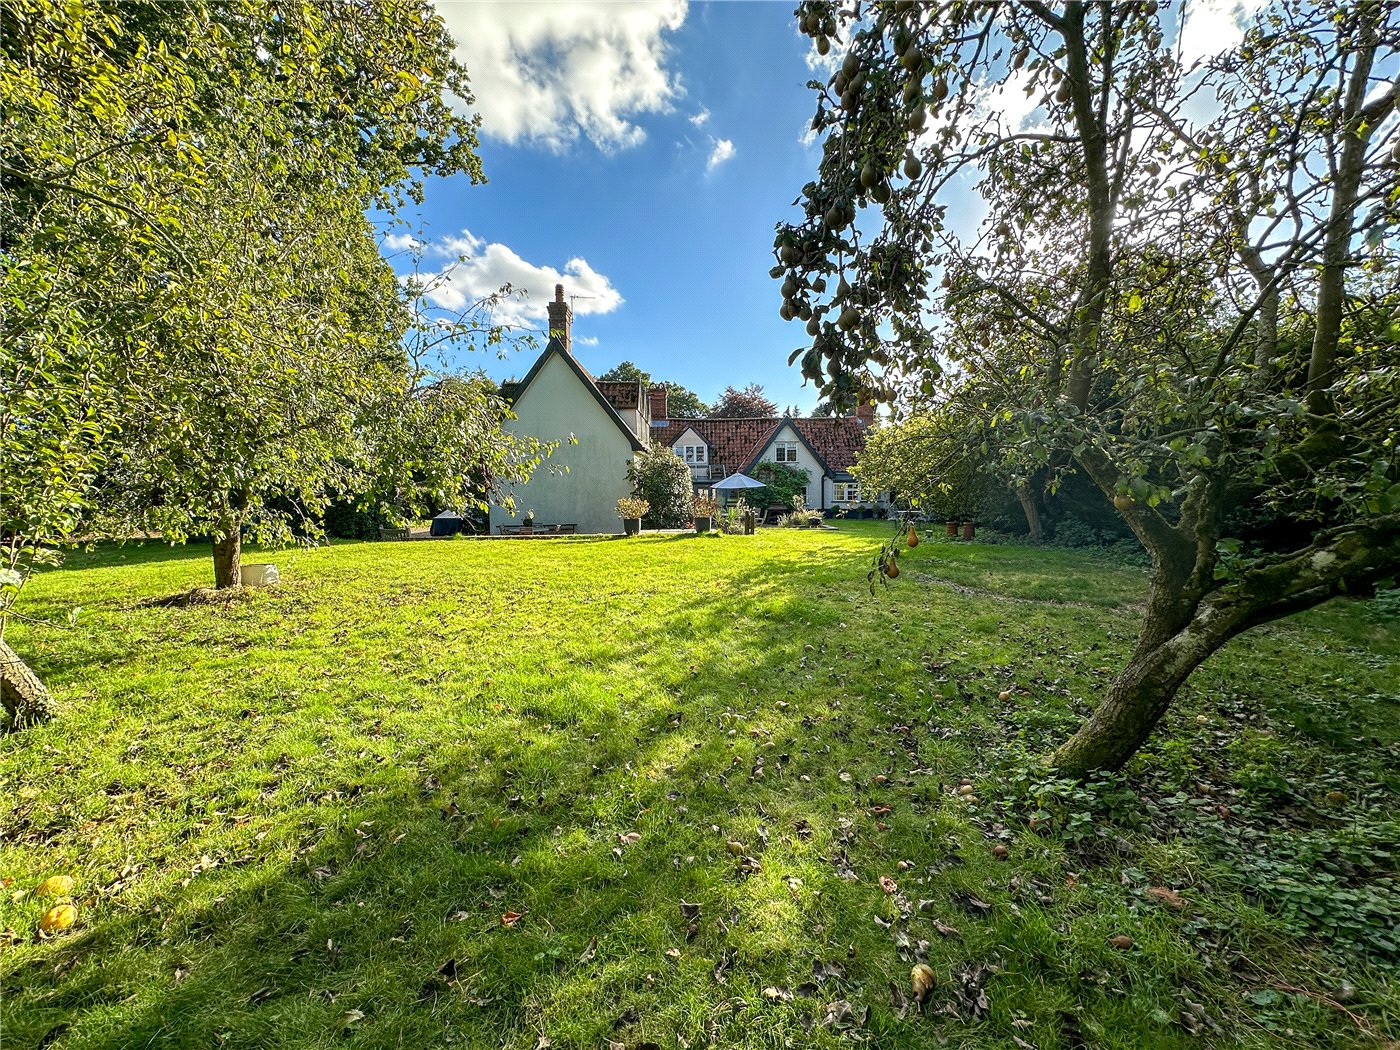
(574, 298)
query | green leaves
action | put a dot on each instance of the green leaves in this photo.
(188, 268)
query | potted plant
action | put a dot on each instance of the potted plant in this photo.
(632, 510)
(705, 510)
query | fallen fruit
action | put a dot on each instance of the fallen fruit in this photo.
(1000, 852)
(54, 886)
(59, 917)
(736, 848)
(1005, 694)
(1122, 941)
(921, 977)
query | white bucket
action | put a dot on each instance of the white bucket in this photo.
(257, 575)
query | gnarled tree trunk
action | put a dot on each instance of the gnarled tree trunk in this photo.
(25, 698)
(228, 555)
(1190, 616)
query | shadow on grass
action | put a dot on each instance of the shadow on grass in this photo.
(387, 925)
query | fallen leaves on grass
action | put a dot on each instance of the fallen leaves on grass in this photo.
(969, 994)
(1166, 896)
(724, 965)
(841, 1016)
(511, 918)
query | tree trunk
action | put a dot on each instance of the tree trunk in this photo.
(25, 699)
(228, 554)
(1138, 698)
(1187, 621)
(1031, 511)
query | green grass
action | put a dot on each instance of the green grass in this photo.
(297, 818)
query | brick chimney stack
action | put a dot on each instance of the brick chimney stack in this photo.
(560, 318)
(657, 395)
(865, 411)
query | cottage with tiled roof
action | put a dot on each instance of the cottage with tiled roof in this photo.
(825, 447)
(601, 425)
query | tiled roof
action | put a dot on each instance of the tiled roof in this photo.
(837, 440)
(736, 442)
(733, 442)
(620, 395)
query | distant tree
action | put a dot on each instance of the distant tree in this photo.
(680, 402)
(661, 478)
(746, 403)
(626, 372)
(684, 404)
(933, 460)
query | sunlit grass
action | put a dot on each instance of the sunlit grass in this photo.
(298, 818)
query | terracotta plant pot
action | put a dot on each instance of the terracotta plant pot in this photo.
(952, 530)
(969, 530)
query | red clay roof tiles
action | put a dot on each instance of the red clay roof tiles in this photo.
(737, 442)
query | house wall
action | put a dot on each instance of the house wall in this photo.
(635, 419)
(555, 405)
(818, 490)
(700, 475)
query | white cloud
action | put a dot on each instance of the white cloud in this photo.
(700, 117)
(1212, 26)
(401, 242)
(724, 149)
(487, 266)
(586, 340)
(546, 73)
(1008, 100)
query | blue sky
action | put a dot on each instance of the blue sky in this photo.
(666, 218)
(640, 153)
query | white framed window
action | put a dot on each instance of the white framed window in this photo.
(847, 491)
(694, 454)
(785, 452)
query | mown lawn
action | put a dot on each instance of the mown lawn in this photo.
(582, 792)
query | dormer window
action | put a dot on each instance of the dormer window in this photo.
(693, 454)
(785, 452)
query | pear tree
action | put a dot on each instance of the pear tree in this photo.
(1184, 285)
